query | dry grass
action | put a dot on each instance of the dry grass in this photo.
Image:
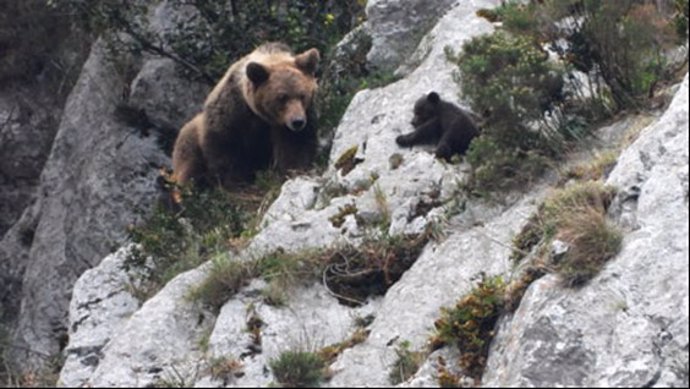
(598, 168)
(575, 215)
(592, 240)
(350, 273)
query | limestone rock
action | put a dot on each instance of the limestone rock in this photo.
(629, 325)
(397, 26)
(98, 174)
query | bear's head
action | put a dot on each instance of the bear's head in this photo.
(282, 92)
(426, 108)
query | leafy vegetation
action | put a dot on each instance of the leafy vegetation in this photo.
(470, 324)
(213, 34)
(512, 82)
(32, 38)
(610, 58)
(170, 243)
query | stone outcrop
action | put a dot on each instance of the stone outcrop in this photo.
(629, 325)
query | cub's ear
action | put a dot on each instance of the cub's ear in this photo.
(308, 61)
(257, 73)
(433, 98)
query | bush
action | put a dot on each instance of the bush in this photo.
(512, 83)
(621, 41)
(470, 324)
(215, 33)
(592, 242)
(175, 243)
(298, 369)
(535, 107)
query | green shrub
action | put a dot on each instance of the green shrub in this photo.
(510, 80)
(470, 324)
(680, 19)
(406, 365)
(531, 117)
(623, 40)
(219, 31)
(298, 369)
(175, 243)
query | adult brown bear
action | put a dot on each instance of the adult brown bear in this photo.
(259, 116)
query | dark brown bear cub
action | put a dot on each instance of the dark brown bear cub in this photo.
(440, 122)
(257, 117)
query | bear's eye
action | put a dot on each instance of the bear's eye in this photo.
(283, 98)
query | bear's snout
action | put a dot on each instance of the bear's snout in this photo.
(297, 124)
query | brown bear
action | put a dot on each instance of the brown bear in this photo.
(443, 123)
(258, 116)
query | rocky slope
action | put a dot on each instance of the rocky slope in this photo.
(627, 327)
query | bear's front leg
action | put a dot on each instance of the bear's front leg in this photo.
(293, 150)
(424, 133)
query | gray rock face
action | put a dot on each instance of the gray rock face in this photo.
(396, 27)
(98, 174)
(607, 333)
(629, 325)
(99, 177)
(167, 99)
(158, 342)
(101, 304)
(27, 127)
(299, 219)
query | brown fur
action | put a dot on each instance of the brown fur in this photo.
(258, 116)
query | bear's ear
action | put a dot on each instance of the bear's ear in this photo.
(257, 73)
(308, 61)
(433, 98)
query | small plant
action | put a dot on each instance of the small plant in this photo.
(347, 161)
(575, 215)
(383, 208)
(407, 363)
(225, 278)
(593, 170)
(175, 243)
(516, 289)
(470, 324)
(592, 240)
(351, 273)
(330, 353)
(298, 369)
(338, 219)
(446, 379)
(225, 369)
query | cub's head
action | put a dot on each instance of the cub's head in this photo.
(426, 108)
(283, 91)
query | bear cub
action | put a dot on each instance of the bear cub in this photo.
(258, 116)
(441, 122)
